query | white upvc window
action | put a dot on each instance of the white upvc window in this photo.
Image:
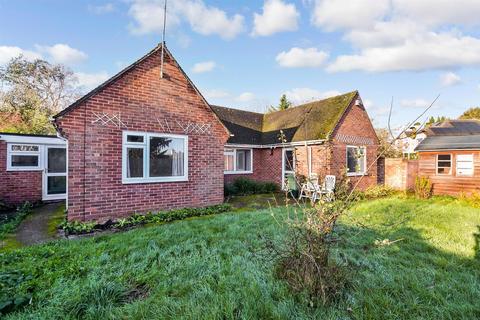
(153, 157)
(24, 157)
(356, 160)
(444, 164)
(238, 161)
(464, 165)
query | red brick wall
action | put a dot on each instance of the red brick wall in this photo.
(400, 173)
(355, 123)
(140, 97)
(267, 166)
(17, 187)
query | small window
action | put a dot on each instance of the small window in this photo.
(23, 157)
(229, 158)
(237, 160)
(135, 138)
(150, 157)
(356, 160)
(444, 164)
(464, 165)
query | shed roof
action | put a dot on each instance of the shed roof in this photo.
(452, 135)
(449, 142)
(311, 121)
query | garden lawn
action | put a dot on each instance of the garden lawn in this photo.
(208, 268)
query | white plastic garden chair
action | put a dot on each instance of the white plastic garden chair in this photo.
(328, 188)
(311, 189)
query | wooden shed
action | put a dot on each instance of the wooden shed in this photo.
(450, 157)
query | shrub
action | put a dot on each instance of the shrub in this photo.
(378, 191)
(13, 221)
(423, 187)
(245, 186)
(472, 199)
(77, 227)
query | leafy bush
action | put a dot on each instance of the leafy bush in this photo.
(13, 221)
(77, 227)
(12, 294)
(423, 187)
(245, 186)
(376, 192)
(472, 199)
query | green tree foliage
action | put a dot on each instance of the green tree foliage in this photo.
(432, 121)
(385, 144)
(472, 113)
(32, 92)
(284, 104)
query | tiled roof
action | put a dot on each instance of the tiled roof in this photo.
(311, 121)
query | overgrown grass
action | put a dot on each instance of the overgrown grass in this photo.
(10, 225)
(207, 268)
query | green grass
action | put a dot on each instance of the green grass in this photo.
(207, 268)
(8, 227)
(55, 220)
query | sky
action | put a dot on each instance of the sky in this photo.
(246, 54)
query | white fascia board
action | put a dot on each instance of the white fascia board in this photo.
(32, 140)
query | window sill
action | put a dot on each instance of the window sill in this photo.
(237, 172)
(24, 169)
(162, 180)
(356, 174)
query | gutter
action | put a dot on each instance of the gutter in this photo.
(275, 145)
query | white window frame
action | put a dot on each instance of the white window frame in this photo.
(11, 153)
(364, 169)
(145, 145)
(234, 171)
(436, 164)
(457, 161)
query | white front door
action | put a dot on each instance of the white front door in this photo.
(288, 167)
(55, 173)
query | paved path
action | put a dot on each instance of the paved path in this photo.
(34, 229)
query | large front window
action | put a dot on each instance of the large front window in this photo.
(356, 160)
(152, 157)
(237, 160)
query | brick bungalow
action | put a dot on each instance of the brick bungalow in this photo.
(326, 137)
(142, 142)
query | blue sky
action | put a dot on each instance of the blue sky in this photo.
(246, 54)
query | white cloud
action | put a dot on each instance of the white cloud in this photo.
(340, 14)
(450, 79)
(415, 103)
(203, 19)
(9, 52)
(421, 51)
(216, 94)
(303, 95)
(298, 57)
(63, 53)
(89, 81)
(277, 16)
(101, 9)
(202, 67)
(397, 35)
(438, 12)
(245, 97)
